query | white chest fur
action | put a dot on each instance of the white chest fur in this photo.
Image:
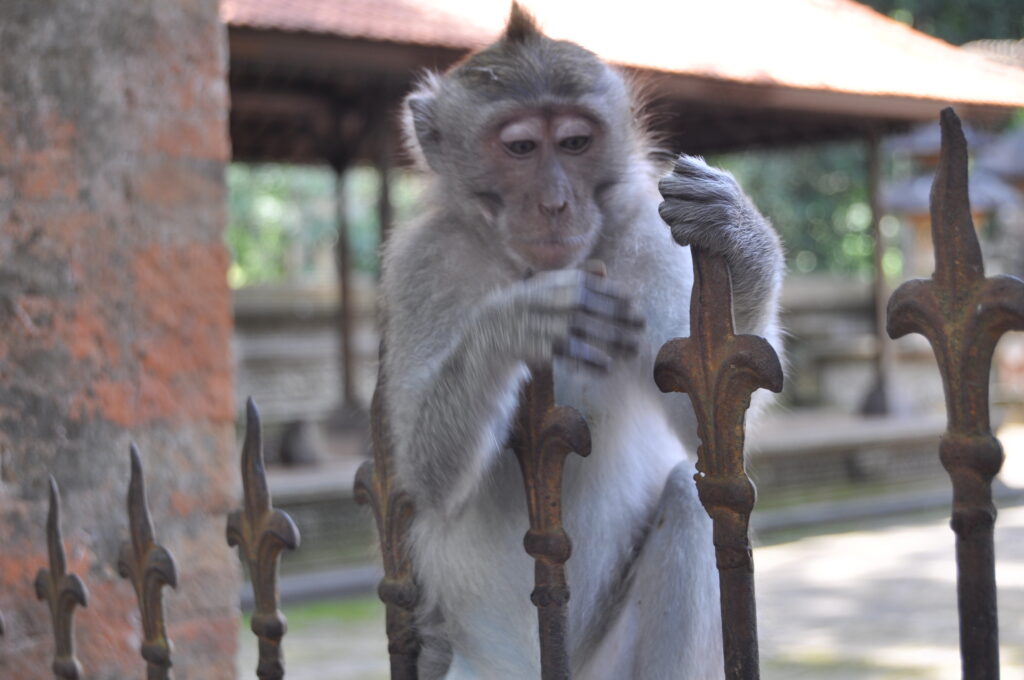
(475, 564)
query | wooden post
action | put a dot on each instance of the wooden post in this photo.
(385, 212)
(342, 260)
(877, 401)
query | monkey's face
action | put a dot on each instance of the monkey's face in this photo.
(543, 166)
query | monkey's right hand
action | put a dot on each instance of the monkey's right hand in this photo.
(577, 315)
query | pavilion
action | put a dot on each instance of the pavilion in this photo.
(319, 81)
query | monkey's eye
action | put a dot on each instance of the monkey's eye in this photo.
(576, 143)
(520, 147)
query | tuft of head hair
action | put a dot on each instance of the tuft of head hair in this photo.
(521, 25)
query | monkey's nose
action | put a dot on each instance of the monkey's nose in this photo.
(554, 208)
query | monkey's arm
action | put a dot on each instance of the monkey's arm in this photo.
(449, 424)
(450, 421)
(704, 206)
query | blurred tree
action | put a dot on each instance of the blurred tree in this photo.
(281, 222)
(958, 22)
(817, 199)
(279, 217)
(817, 196)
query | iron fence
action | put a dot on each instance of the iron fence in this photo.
(959, 310)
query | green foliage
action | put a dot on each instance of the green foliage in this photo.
(282, 222)
(817, 196)
(279, 217)
(958, 22)
(362, 187)
(355, 610)
(817, 199)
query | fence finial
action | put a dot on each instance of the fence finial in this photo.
(545, 434)
(393, 512)
(261, 533)
(719, 370)
(149, 567)
(62, 592)
(963, 315)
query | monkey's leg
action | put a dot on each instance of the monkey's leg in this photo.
(435, 650)
(671, 613)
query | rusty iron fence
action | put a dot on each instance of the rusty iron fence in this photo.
(961, 312)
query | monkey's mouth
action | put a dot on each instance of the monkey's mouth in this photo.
(549, 252)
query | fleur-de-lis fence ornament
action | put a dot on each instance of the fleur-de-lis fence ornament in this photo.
(963, 315)
(544, 435)
(719, 370)
(149, 567)
(62, 592)
(261, 533)
(393, 513)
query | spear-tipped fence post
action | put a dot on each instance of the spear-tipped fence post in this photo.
(261, 533)
(62, 592)
(149, 567)
(963, 314)
(719, 370)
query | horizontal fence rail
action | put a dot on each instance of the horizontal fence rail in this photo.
(961, 312)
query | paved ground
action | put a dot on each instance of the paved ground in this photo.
(878, 603)
(873, 602)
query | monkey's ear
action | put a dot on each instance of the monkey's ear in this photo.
(521, 25)
(423, 136)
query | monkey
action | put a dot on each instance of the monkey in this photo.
(540, 166)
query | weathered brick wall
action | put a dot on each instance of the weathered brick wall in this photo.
(115, 319)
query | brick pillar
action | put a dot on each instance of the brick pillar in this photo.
(115, 320)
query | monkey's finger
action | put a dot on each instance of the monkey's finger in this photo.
(695, 218)
(582, 353)
(596, 267)
(623, 310)
(694, 166)
(602, 298)
(693, 170)
(711, 190)
(617, 338)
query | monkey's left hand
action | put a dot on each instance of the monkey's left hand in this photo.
(705, 207)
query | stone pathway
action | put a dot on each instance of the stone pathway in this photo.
(880, 603)
(875, 603)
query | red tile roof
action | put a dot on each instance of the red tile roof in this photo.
(814, 45)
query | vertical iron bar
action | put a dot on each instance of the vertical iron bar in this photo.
(719, 370)
(393, 512)
(385, 208)
(149, 567)
(877, 401)
(343, 263)
(261, 532)
(62, 592)
(544, 436)
(963, 315)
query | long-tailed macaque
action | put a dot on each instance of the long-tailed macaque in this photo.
(540, 163)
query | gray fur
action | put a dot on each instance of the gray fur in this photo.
(465, 313)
